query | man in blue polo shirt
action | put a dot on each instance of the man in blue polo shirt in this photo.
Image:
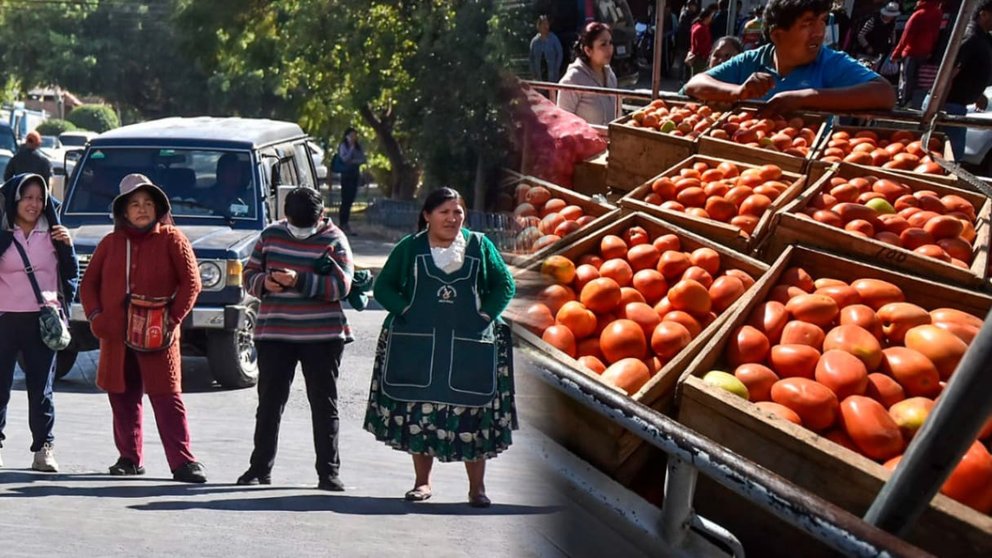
(794, 71)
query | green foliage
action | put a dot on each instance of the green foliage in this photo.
(54, 127)
(96, 118)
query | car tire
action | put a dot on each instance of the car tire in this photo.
(231, 354)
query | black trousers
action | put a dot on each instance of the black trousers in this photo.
(19, 334)
(349, 190)
(277, 362)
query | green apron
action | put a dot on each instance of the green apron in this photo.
(441, 349)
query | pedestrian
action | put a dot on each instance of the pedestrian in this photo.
(442, 383)
(795, 72)
(29, 160)
(301, 269)
(701, 41)
(724, 49)
(136, 313)
(31, 237)
(591, 68)
(972, 74)
(874, 35)
(352, 157)
(838, 24)
(545, 53)
(753, 32)
(916, 46)
(683, 36)
(721, 16)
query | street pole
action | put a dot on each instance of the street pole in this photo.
(659, 34)
(942, 82)
(951, 428)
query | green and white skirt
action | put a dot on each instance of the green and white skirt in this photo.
(445, 432)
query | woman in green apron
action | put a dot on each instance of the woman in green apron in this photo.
(442, 385)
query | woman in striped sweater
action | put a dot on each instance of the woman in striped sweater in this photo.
(300, 269)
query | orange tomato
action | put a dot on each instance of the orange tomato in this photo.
(857, 341)
(793, 361)
(673, 264)
(628, 374)
(668, 338)
(618, 270)
(813, 308)
(971, 480)
(842, 372)
(593, 363)
(612, 246)
(537, 318)
(561, 338)
(758, 379)
(690, 296)
(899, 317)
(725, 291)
(554, 296)
(643, 314)
(942, 347)
(798, 277)
(643, 256)
(706, 258)
(577, 318)
(667, 242)
(601, 295)
(876, 293)
(884, 389)
(747, 345)
(871, 428)
(802, 333)
(815, 404)
(773, 409)
(623, 339)
(770, 319)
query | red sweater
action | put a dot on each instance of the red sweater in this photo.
(920, 34)
(701, 41)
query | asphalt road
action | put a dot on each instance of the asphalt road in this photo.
(82, 511)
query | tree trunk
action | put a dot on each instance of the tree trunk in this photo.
(404, 175)
(479, 193)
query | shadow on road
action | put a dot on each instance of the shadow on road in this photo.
(129, 487)
(352, 505)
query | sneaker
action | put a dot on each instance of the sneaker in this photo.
(331, 484)
(126, 468)
(251, 478)
(44, 460)
(193, 472)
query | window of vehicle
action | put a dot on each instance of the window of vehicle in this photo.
(303, 170)
(199, 183)
(7, 140)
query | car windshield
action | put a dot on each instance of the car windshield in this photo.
(199, 183)
(73, 141)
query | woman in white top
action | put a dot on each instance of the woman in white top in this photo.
(593, 50)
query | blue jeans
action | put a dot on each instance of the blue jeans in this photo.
(19, 333)
(957, 135)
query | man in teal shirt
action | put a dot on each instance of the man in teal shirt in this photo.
(794, 71)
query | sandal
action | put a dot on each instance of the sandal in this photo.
(418, 494)
(479, 501)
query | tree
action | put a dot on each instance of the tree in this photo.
(95, 118)
(54, 127)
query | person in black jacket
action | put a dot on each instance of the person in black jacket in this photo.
(28, 160)
(28, 217)
(875, 34)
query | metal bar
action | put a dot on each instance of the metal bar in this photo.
(676, 509)
(815, 516)
(962, 409)
(943, 80)
(703, 525)
(659, 33)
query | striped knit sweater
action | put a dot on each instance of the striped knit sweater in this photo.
(311, 310)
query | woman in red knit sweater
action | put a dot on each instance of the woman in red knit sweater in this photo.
(700, 41)
(162, 264)
(916, 45)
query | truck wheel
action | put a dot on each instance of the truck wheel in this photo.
(64, 361)
(231, 354)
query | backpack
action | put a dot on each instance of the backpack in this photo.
(337, 164)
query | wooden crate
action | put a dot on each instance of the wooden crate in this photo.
(796, 228)
(729, 235)
(732, 151)
(818, 168)
(611, 446)
(815, 463)
(637, 154)
(604, 213)
(590, 175)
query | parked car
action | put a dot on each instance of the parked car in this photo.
(8, 140)
(181, 156)
(76, 138)
(318, 160)
(5, 156)
(978, 143)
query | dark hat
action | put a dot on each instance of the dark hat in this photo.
(134, 182)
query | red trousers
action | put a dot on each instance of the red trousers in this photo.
(170, 416)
